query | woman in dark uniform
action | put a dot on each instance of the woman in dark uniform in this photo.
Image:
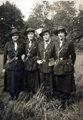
(46, 56)
(31, 69)
(13, 64)
(64, 67)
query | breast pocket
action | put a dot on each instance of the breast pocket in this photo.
(65, 51)
(34, 48)
(50, 52)
(10, 52)
(41, 54)
(33, 52)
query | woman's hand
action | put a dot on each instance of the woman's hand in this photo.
(39, 62)
(23, 57)
(55, 62)
(3, 70)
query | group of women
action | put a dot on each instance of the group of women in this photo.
(34, 64)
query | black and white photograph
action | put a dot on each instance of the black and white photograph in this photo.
(41, 60)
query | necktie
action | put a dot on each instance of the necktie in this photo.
(46, 44)
(30, 43)
(15, 46)
(61, 44)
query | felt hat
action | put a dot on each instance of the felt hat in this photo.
(43, 31)
(14, 31)
(29, 30)
(60, 28)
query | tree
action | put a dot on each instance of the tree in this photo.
(39, 15)
(53, 14)
(10, 16)
(78, 23)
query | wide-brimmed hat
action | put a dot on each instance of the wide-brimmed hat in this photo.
(13, 32)
(43, 31)
(60, 28)
(29, 30)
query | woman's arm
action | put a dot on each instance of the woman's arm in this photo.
(72, 52)
(5, 55)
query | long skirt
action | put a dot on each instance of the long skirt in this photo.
(46, 81)
(54, 84)
(15, 81)
(6, 86)
(65, 83)
(31, 81)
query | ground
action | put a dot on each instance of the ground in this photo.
(37, 107)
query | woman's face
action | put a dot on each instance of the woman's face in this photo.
(61, 35)
(46, 36)
(15, 37)
(30, 35)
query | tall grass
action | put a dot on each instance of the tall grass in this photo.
(37, 107)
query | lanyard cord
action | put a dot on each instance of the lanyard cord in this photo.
(14, 58)
(44, 54)
(59, 52)
(29, 50)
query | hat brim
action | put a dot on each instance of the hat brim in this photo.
(26, 32)
(57, 31)
(41, 34)
(10, 35)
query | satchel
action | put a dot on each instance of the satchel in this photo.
(64, 67)
(58, 68)
(51, 62)
(69, 67)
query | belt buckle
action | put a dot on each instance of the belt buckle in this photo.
(16, 58)
(61, 58)
(28, 54)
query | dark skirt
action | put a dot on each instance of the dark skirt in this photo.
(54, 84)
(65, 83)
(31, 83)
(6, 86)
(15, 81)
(46, 81)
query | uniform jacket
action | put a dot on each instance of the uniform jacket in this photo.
(31, 62)
(9, 54)
(66, 58)
(50, 53)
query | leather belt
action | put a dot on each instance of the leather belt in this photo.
(63, 58)
(12, 59)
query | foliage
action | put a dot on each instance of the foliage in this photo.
(53, 14)
(10, 16)
(50, 14)
(78, 23)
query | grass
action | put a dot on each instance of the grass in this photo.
(37, 107)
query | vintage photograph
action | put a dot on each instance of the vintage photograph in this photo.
(41, 60)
